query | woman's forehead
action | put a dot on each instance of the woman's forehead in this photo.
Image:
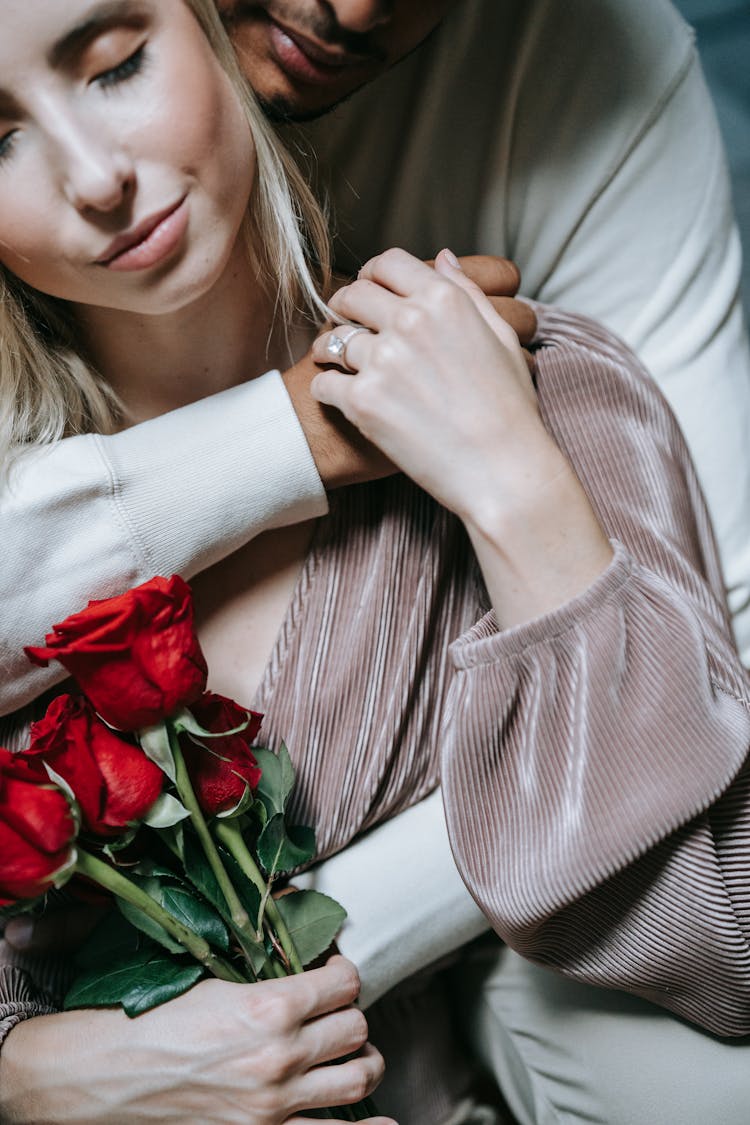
(57, 31)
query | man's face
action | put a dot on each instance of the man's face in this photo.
(304, 56)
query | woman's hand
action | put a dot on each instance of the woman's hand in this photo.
(441, 386)
(220, 1054)
(341, 454)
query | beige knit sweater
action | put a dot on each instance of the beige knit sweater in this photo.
(593, 761)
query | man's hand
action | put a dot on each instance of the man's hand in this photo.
(341, 454)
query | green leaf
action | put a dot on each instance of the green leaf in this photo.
(196, 914)
(247, 892)
(106, 983)
(156, 746)
(198, 871)
(287, 773)
(159, 984)
(313, 920)
(165, 812)
(186, 721)
(112, 939)
(148, 926)
(138, 983)
(270, 788)
(246, 801)
(151, 868)
(282, 849)
(256, 955)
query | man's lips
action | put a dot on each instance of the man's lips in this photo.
(149, 242)
(306, 59)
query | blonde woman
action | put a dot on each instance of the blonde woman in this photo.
(507, 617)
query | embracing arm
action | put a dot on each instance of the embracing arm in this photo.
(91, 515)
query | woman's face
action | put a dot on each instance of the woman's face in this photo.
(126, 162)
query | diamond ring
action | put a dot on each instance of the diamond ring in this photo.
(337, 343)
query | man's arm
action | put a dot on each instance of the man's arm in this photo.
(89, 516)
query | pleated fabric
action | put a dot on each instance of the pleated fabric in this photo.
(592, 760)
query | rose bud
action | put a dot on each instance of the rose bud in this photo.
(136, 656)
(37, 830)
(114, 783)
(222, 770)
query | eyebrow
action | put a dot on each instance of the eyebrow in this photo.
(104, 16)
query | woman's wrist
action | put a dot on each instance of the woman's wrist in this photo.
(536, 537)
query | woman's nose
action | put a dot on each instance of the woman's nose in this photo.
(97, 174)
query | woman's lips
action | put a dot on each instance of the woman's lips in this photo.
(150, 243)
(306, 61)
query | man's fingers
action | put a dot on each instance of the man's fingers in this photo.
(341, 1083)
(496, 277)
(520, 316)
(334, 986)
(334, 1035)
(61, 931)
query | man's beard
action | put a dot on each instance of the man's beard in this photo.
(280, 111)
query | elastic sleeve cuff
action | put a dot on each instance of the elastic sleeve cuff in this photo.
(19, 1000)
(203, 480)
(486, 643)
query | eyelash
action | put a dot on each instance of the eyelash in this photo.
(128, 68)
(107, 80)
(6, 145)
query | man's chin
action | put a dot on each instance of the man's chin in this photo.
(282, 109)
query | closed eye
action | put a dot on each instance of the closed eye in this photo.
(127, 69)
(6, 144)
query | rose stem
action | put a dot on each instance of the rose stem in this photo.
(230, 835)
(106, 876)
(239, 916)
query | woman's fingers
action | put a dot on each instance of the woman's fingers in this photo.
(366, 301)
(398, 271)
(339, 1083)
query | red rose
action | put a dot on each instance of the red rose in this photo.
(222, 769)
(37, 830)
(114, 783)
(135, 656)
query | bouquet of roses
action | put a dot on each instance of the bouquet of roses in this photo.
(145, 784)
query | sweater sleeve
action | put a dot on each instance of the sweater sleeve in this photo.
(90, 516)
(595, 769)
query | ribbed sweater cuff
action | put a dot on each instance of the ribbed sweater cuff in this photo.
(197, 483)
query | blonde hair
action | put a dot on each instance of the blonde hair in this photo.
(48, 389)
